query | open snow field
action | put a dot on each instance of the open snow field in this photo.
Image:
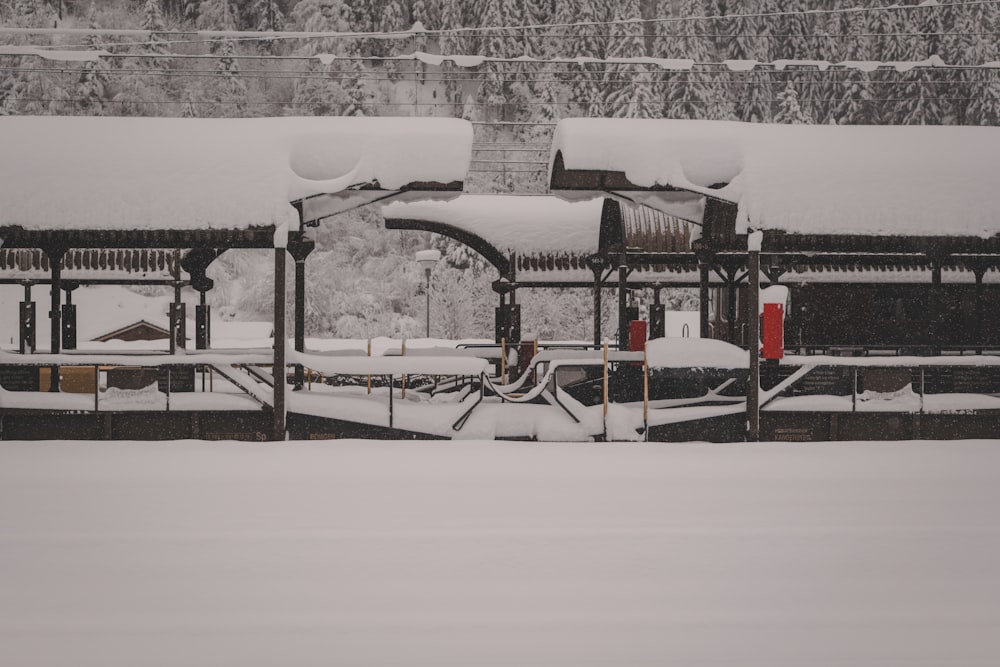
(368, 553)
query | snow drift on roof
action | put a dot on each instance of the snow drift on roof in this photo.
(512, 223)
(192, 173)
(819, 179)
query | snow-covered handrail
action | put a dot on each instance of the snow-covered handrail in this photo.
(408, 365)
(110, 359)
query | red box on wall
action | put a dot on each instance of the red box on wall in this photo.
(772, 331)
(637, 335)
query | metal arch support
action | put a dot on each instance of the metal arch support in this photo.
(490, 253)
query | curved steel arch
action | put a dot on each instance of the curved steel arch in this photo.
(490, 252)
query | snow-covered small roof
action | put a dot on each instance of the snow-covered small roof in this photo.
(809, 179)
(193, 173)
(512, 223)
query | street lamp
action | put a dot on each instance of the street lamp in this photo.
(427, 259)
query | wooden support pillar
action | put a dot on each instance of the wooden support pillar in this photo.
(279, 345)
(753, 325)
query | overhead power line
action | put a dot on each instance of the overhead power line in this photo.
(473, 61)
(418, 29)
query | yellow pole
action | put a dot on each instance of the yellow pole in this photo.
(310, 378)
(369, 354)
(645, 395)
(403, 393)
(503, 360)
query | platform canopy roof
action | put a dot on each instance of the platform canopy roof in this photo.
(177, 174)
(545, 239)
(802, 179)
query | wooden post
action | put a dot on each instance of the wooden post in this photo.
(279, 345)
(605, 390)
(390, 401)
(645, 395)
(503, 361)
(402, 383)
(753, 325)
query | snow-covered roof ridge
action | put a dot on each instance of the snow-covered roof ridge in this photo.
(194, 173)
(815, 179)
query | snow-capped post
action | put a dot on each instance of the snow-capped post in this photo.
(427, 259)
(754, 239)
(280, 340)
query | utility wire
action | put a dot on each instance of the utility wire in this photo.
(274, 35)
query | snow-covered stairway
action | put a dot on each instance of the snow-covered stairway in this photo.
(254, 384)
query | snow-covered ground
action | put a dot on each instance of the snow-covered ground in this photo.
(403, 553)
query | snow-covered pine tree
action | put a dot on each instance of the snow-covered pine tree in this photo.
(756, 101)
(230, 92)
(932, 22)
(792, 38)
(358, 98)
(620, 80)
(855, 104)
(431, 15)
(664, 43)
(789, 111)
(747, 39)
(971, 46)
(494, 42)
(266, 16)
(152, 20)
(95, 75)
(585, 41)
(984, 107)
(918, 104)
(689, 93)
(451, 43)
(538, 42)
(188, 110)
(322, 16)
(217, 15)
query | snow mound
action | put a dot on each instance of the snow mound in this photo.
(196, 173)
(512, 223)
(815, 179)
(695, 353)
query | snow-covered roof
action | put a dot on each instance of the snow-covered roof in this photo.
(810, 179)
(192, 173)
(513, 223)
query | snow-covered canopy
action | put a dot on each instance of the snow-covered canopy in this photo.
(512, 223)
(188, 173)
(810, 179)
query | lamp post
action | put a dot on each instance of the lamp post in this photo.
(427, 259)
